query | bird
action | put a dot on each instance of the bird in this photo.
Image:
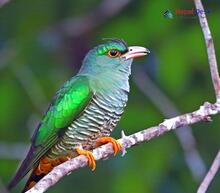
(83, 112)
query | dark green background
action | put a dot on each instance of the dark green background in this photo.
(37, 56)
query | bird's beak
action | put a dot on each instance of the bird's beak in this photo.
(135, 52)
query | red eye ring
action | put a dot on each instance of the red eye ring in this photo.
(113, 53)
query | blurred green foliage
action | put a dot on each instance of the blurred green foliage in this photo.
(34, 63)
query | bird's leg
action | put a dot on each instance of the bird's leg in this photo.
(44, 167)
(90, 157)
(116, 145)
(46, 164)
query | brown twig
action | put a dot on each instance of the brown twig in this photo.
(210, 175)
(216, 83)
(202, 114)
(210, 48)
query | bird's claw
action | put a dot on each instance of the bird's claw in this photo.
(116, 145)
(90, 157)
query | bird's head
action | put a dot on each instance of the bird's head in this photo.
(113, 55)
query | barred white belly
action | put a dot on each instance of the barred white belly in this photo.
(97, 120)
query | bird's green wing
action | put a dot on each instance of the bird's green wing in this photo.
(67, 105)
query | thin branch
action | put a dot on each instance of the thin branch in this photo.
(32, 88)
(103, 152)
(24, 75)
(216, 83)
(7, 54)
(3, 2)
(210, 175)
(31, 85)
(13, 151)
(210, 48)
(168, 109)
(78, 26)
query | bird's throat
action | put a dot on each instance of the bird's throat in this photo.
(111, 80)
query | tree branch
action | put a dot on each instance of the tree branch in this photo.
(210, 175)
(210, 48)
(103, 152)
(185, 136)
(216, 83)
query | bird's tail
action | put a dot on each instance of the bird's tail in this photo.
(43, 168)
(34, 177)
(25, 167)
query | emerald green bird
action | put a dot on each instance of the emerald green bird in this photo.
(83, 112)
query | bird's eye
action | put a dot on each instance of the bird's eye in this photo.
(113, 53)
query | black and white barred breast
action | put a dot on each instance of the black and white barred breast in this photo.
(98, 119)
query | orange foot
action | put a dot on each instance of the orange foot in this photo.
(116, 145)
(44, 166)
(90, 157)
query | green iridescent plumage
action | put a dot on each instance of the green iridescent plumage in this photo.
(104, 48)
(69, 101)
(87, 107)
